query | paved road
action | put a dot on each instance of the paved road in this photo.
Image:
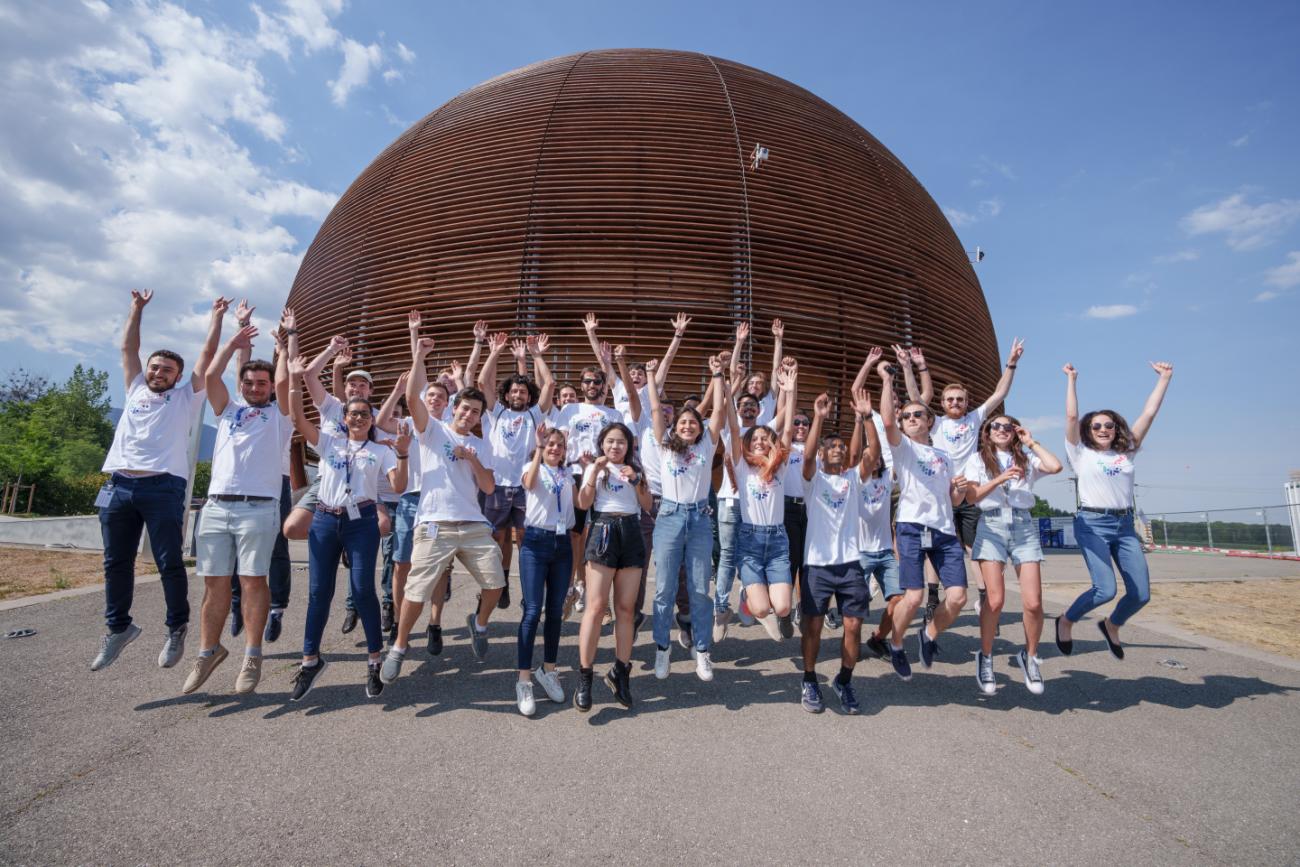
(1131, 763)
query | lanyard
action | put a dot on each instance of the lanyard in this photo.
(558, 480)
(347, 464)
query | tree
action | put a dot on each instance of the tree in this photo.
(22, 386)
(1043, 509)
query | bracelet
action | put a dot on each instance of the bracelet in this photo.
(868, 416)
(401, 457)
(288, 332)
(1011, 367)
(922, 369)
(717, 375)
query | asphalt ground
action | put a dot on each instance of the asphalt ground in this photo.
(1178, 755)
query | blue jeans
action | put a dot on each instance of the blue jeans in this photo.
(763, 554)
(281, 568)
(545, 561)
(330, 534)
(728, 522)
(683, 533)
(386, 549)
(1103, 538)
(156, 502)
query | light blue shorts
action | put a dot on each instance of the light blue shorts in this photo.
(998, 540)
(236, 536)
(884, 567)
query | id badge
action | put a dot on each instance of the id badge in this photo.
(1006, 515)
(926, 541)
(104, 497)
(353, 512)
(560, 529)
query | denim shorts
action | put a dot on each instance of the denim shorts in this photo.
(945, 554)
(763, 554)
(615, 541)
(504, 507)
(884, 567)
(998, 540)
(404, 526)
(235, 536)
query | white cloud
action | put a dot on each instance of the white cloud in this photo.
(129, 171)
(1267, 296)
(987, 166)
(406, 54)
(358, 62)
(1240, 141)
(1110, 311)
(1041, 423)
(986, 210)
(960, 218)
(1180, 256)
(1247, 226)
(1285, 276)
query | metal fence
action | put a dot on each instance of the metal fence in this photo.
(1263, 529)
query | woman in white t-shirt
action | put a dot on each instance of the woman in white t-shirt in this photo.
(346, 518)
(683, 533)
(615, 490)
(762, 546)
(1002, 471)
(1101, 447)
(545, 563)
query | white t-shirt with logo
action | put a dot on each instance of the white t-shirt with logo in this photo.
(761, 503)
(614, 494)
(794, 471)
(766, 409)
(651, 461)
(924, 478)
(153, 434)
(726, 490)
(583, 423)
(331, 417)
(958, 437)
(623, 405)
(1017, 494)
(349, 471)
(448, 491)
(550, 501)
(249, 449)
(1105, 478)
(832, 518)
(873, 514)
(512, 436)
(685, 476)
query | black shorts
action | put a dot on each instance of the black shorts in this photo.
(579, 515)
(505, 507)
(844, 581)
(967, 518)
(615, 541)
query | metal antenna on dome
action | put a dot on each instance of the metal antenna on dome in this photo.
(757, 156)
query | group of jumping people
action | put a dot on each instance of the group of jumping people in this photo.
(591, 482)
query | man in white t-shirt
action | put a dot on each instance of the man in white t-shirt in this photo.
(149, 462)
(636, 372)
(748, 408)
(241, 518)
(454, 466)
(756, 383)
(516, 408)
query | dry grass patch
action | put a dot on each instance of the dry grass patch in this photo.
(31, 571)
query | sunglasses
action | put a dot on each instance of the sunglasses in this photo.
(917, 413)
(802, 422)
(593, 382)
(1006, 426)
(1103, 425)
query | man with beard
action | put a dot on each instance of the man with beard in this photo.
(516, 408)
(149, 462)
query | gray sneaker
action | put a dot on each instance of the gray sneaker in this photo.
(478, 641)
(1033, 675)
(173, 647)
(111, 645)
(392, 666)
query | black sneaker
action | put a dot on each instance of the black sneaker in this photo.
(929, 646)
(898, 659)
(274, 624)
(878, 647)
(386, 620)
(349, 621)
(504, 601)
(374, 686)
(617, 680)
(236, 619)
(786, 625)
(304, 679)
(435, 639)
(582, 695)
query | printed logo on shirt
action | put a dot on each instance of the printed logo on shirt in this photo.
(147, 403)
(552, 483)
(874, 493)
(958, 432)
(511, 429)
(614, 483)
(447, 449)
(360, 460)
(680, 464)
(1112, 466)
(932, 465)
(246, 415)
(757, 490)
(833, 494)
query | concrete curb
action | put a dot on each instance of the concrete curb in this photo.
(11, 604)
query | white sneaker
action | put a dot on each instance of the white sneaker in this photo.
(703, 665)
(550, 682)
(580, 604)
(1029, 667)
(661, 662)
(524, 697)
(984, 674)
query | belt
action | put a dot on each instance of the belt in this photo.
(1125, 511)
(798, 501)
(238, 498)
(339, 510)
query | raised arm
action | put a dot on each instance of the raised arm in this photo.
(416, 380)
(1008, 375)
(742, 332)
(679, 323)
(656, 406)
(519, 349)
(311, 378)
(218, 395)
(487, 378)
(537, 346)
(471, 365)
(210, 344)
(534, 466)
(1048, 463)
(724, 409)
(297, 368)
(338, 381)
(1071, 404)
(778, 336)
(243, 318)
(283, 340)
(787, 380)
(927, 384)
(1165, 371)
(887, 417)
(909, 378)
(384, 420)
(821, 411)
(131, 365)
(590, 323)
(871, 456)
(633, 399)
(860, 381)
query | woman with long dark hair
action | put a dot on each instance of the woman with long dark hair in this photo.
(1102, 447)
(1002, 472)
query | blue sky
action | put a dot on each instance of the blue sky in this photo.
(1129, 168)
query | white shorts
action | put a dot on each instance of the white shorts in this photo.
(237, 536)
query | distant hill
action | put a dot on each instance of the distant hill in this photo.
(206, 441)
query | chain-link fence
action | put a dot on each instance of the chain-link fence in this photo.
(1263, 529)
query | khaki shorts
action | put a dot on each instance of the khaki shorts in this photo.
(434, 546)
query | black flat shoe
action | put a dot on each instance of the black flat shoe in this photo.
(1066, 647)
(435, 639)
(1115, 649)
